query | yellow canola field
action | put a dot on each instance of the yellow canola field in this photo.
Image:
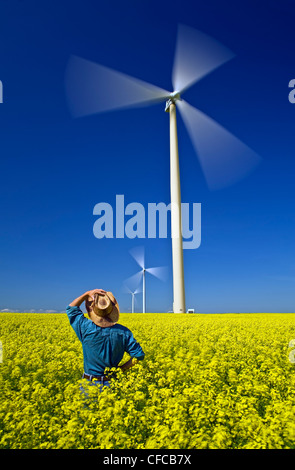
(208, 381)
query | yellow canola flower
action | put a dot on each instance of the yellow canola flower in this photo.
(207, 381)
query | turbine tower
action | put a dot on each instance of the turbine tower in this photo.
(176, 234)
(92, 88)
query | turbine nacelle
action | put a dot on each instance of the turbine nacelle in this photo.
(173, 97)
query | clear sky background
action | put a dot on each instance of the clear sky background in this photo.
(54, 168)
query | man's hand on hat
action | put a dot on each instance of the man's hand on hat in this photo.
(91, 293)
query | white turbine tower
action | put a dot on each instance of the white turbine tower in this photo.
(93, 88)
(159, 272)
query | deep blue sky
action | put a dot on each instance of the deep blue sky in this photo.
(54, 168)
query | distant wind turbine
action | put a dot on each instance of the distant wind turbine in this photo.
(93, 88)
(159, 272)
(133, 293)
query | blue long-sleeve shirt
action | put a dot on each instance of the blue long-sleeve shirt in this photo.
(102, 347)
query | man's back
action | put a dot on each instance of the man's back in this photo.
(102, 346)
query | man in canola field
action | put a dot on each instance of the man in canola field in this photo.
(103, 340)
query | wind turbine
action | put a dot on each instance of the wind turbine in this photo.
(92, 88)
(159, 272)
(133, 301)
(133, 293)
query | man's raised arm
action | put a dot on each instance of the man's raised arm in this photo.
(90, 293)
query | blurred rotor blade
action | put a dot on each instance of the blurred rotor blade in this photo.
(161, 272)
(127, 289)
(132, 282)
(223, 157)
(196, 55)
(92, 88)
(138, 254)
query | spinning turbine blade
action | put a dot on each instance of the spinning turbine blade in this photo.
(223, 157)
(196, 55)
(138, 254)
(133, 282)
(127, 289)
(92, 88)
(160, 272)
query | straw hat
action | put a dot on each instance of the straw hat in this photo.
(104, 309)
